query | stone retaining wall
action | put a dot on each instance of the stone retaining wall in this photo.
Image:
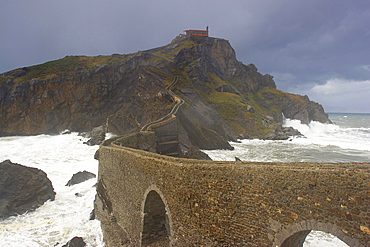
(210, 203)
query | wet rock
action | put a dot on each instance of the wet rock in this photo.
(75, 242)
(283, 133)
(85, 134)
(96, 155)
(92, 215)
(97, 136)
(80, 177)
(22, 189)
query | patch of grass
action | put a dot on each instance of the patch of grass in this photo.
(216, 81)
(171, 50)
(183, 80)
(68, 65)
(50, 69)
(228, 105)
(233, 108)
(274, 96)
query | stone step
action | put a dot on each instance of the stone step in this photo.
(168, 142)
(174, 154)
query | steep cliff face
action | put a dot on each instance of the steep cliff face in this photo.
(224, 99)
(82, 96)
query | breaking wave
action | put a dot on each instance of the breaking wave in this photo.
(331, 134)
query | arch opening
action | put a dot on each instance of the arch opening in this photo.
(320, 238)
(312, 233)
(296, 240)
(313, 238)
(156, 228)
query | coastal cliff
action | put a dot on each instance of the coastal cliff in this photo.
(224, 99)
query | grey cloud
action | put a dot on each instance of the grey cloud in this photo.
(312, 41)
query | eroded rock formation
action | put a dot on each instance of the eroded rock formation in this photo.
(75, 242)
(22, 189)
(80, 177)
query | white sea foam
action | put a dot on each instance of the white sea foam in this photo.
(331, 134)
(68, 215)
(323, 239)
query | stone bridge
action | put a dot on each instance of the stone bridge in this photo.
(147, 199)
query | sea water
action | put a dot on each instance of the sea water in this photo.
(348, 140)
(60, 156)
(56, 222)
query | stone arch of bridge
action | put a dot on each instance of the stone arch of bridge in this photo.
(296, 233)
(156, 220)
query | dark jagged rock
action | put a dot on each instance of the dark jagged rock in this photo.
(97, 136)
(96, 155)
(92, 215)
(283, 133)
(195, 153)
(85, 134)
(296, 107)
(305, 110)
(224, 98)
(22, 189)
(75, 242)
(80, 177)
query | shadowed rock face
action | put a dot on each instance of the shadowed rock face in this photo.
(80, 177)
(224, 99)
(75, 242)
(22, 189)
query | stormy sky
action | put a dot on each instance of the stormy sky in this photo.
(319, 48)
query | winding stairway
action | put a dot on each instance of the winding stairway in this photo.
(165, 128)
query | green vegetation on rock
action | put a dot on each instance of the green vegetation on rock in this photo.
(224, 99)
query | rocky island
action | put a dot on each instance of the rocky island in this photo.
(223, 99)
(195, 89)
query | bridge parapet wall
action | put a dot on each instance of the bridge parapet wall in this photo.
(233, 203)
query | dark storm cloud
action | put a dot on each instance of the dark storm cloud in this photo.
(314, 38)
(308, 46)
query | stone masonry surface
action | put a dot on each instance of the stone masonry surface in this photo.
(211, 203)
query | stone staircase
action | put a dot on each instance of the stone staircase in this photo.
(168, 145)
(165, 128)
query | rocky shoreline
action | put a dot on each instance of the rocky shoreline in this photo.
(24, 189)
